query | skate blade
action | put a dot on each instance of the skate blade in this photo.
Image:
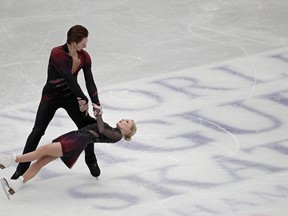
(5, 187)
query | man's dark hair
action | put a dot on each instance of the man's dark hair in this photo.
(76, 34)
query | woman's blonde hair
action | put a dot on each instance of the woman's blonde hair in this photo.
(133, 130)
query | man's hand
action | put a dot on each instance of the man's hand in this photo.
(83, 106)
(97, 110)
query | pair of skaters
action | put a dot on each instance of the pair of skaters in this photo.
(63, 91)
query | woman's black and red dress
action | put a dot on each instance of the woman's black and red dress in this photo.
(74, 142)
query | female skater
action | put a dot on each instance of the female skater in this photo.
(68, 147)
(63, 91)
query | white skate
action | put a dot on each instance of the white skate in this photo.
(10, 186)
(7, 160)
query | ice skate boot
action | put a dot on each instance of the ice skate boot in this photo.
(7, 160)
(93, 166)
(11, 186)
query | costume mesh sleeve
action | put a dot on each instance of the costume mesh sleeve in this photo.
(113, 135)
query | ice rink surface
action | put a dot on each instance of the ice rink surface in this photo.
(206, 82)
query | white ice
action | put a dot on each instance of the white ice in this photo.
(206, 82)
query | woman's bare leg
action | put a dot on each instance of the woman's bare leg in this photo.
(53, 149)
(36, 166)
(43, 155)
